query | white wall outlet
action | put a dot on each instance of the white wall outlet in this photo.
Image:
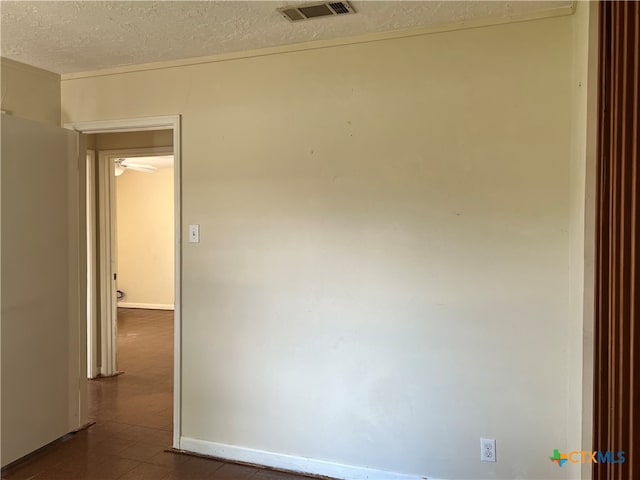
(194, 233)
(487, 450)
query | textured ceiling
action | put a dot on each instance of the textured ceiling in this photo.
(66, 37)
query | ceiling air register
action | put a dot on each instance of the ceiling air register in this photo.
(308, 11)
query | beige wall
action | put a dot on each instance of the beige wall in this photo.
(30, 92)
(582, 225)
(144, 139)
(384, 274)
(145, 234)
(43, 287)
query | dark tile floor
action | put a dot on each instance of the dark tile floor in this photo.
(133, 415)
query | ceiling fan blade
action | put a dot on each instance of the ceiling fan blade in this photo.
(138, 167)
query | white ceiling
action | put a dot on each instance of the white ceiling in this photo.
(77, 36)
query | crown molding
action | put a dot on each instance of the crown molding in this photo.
(318, 44)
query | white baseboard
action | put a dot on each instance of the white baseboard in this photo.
(148, 306)
(289, 462)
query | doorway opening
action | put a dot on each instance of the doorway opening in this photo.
(133, 257)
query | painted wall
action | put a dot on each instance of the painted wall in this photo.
(384, 274)
(30, 92)
(123, 140)
(145, 233)
(43, 287)
(582, 225)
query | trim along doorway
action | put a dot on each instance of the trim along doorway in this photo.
(170, 122)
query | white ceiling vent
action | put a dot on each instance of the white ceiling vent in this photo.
(315, 10)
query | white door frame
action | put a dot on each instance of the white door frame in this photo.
(159, 123)
(92, 314)
(107, 209)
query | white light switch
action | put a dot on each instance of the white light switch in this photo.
(194, 233)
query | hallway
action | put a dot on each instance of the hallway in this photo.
(143, 395)
(133, 415)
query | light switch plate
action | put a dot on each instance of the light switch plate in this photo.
(194, 233)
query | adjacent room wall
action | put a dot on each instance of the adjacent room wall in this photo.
(145, 238)
(582, 225)
(385, 273)
(30, 92)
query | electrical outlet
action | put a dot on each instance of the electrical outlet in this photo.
(487, 450)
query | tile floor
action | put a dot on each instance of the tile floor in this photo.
(133, 415)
